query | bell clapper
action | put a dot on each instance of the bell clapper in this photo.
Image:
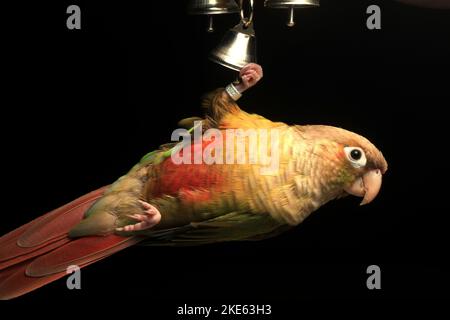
(291, 21)
(210, 24)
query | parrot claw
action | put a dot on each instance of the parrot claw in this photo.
(150, 218)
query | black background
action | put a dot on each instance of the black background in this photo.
(80, 107)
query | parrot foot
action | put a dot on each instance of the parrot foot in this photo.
(150, 218)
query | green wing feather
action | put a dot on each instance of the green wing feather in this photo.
(234, 226)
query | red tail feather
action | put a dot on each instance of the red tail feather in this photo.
(40, 251)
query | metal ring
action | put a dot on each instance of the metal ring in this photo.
(246, 20)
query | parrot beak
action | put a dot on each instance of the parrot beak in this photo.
(366, 186)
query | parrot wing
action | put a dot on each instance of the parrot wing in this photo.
(234, 226)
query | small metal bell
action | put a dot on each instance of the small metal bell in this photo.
(237, 48)
(212, 7)
(291, 5)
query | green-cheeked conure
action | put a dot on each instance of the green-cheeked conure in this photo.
(165, 201)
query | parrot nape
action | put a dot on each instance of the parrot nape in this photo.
(159, 202)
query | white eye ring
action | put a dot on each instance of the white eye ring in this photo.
(356, 156)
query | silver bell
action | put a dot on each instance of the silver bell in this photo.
(237, 48)
(291, 5)
(212, 7)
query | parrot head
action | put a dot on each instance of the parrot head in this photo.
(351, 164)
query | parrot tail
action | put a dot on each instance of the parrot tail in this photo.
(40, 251)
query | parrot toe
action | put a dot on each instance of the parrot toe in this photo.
(150, 217)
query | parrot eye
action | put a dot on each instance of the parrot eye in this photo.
(356, 156)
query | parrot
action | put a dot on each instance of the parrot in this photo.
(160, 202)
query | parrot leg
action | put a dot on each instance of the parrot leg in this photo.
(150, 218)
